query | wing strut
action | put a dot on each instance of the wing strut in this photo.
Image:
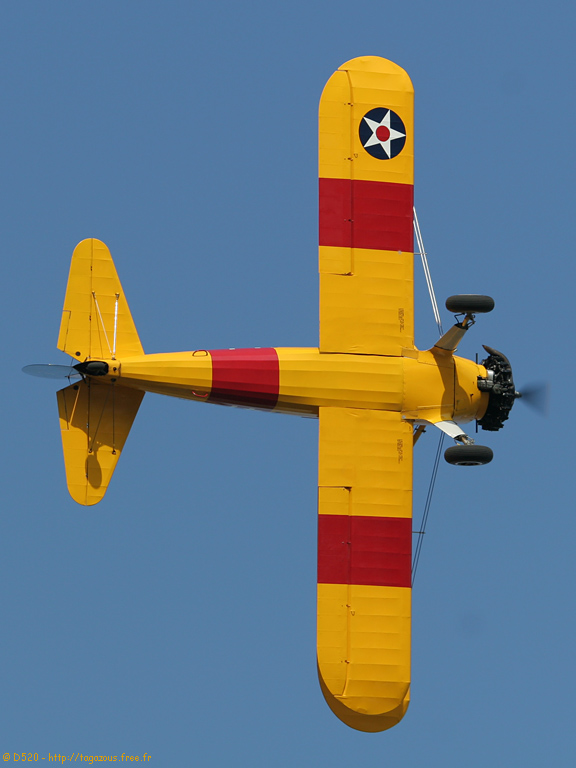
(422, 530)
(427, 274)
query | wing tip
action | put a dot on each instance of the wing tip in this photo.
(361, 721)
(376, 64)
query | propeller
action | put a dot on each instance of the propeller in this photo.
(537, 396)
(51, 371)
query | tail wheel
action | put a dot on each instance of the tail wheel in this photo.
(469, 302)
(468, 455)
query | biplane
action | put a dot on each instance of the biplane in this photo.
(372, 391)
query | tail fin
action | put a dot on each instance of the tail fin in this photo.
(95, 414)
(96, 320)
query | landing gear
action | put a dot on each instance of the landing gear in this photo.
(469, 303)
(468, 455)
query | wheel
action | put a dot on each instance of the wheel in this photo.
(469, 302)
(468, 455)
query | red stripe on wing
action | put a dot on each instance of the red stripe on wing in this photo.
(365, 550)
(366, 214)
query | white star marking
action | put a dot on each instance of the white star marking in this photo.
(373, 125)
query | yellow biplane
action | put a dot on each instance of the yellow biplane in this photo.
(372, 391)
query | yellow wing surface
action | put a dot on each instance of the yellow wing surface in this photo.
(366, 209)
(365, 456)
(95, 417)
(364, 565)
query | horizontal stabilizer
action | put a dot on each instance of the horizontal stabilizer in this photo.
(96, 320)
(95, 419)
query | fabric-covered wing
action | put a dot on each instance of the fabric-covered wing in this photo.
(364, 565)
(366, 209)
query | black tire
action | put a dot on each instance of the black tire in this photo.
(468, 455)
(469, 302)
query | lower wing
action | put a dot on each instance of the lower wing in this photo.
(364, 565)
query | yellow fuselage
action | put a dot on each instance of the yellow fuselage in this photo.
(423, 386)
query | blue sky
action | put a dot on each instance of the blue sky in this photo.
(177, 617)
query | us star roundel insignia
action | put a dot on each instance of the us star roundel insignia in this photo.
(382, 133)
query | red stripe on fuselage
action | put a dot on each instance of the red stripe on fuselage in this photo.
(366, 214)
(245, 377)
(373, 551)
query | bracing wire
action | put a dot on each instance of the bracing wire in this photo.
(422, 253)
(420, 534)
(102, 322)
(422, 530)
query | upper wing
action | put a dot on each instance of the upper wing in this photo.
(364, 565)
(366, 209)
(96, 320)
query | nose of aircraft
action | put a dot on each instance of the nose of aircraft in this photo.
(499, 384)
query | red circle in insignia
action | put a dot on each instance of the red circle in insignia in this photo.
(382, 133)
